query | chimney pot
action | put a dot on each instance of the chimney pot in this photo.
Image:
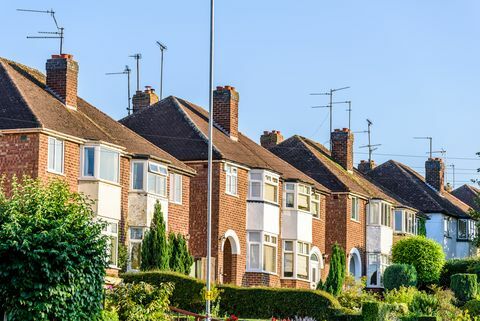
(435, 173)
(366, 166)
(271, 139)
(62, 78)
(219, 88)
(144, 99)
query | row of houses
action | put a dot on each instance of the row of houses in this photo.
(277, 209)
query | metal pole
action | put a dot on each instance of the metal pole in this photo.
(61, 40)
(128, 89)
(161, 74)
(138, 72)
(210, 152)
(350, 115)
(331, 116)
(369, 145)
(430, 139)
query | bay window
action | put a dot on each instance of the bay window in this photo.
(377, 263)
(271, 189)
(231, 179)
(109, 163)
(135, 246)
(386, 217)
(111, 230)
(157, 179)
(405, 222)
(101, 162)
(399, 221)
(55, 155)
(88, 161)
(137, 175)
(303, 250)
(303, 199)
(296, 255)
(262, 252)
(270, 253)
(355, 212)
(315, 206)
(289, 195)
(263, 186)
(288, 259)
(176, 188)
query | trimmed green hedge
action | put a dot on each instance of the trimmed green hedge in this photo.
(397, 275)
(464, 286)
(252, 303)
(374, 311)
(473, 307)
(427, 318)
(455, 266)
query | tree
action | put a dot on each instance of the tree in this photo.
(424, 254)
(52, 253)
(155, 250)
(336, 275)
(180, 259)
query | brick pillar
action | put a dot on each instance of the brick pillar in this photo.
(225, 110)
(144, 99)
(62, 78)
(271, 139)
(342, 148)
(366, 166)
(435, 173)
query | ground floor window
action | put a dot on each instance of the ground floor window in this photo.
(377, 263)
(111, 230)
(135, 246)
(315, 269)
(296, 259)
(262, 252)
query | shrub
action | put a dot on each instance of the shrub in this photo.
(473, 307)
(353, 294)
(424, 254)
(464, 286)
(454, 266)
(403, 295)
(180, 260)
(374, 311)
(397, 275)
(109, 316)
(155, 250)
(53, 254)
(423, 304)
(336, 275)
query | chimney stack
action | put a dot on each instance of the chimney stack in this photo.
(225, 110)
(435, 173)
(366, 166)
(144, 99)
(62, 78)
(271, 139)
(342, 148)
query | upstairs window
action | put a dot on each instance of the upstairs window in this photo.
(290, 195)
(271, 189)
(355, 213)
(157, 179)
(256, 185)
(263, 186)
(88, 161)
(386, 217)
(231, 179)
(55, 155)
(405, 222)
(137, 175)
(398, 221)
(176, 188)
(101, 162)
(315, 207)
(303, 197)
(462, 229)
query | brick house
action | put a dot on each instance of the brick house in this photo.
(268, 218)
(448, 220)
(47, 132)
(359, 213)
(469, 195)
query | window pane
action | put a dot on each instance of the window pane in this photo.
(135, 251)
(269, 258)
(289, 200)
(289, 186)
(178, 188)
(136, 233)
(355, 208)
(108, 165)
(58, 156)
(288, 264)
(271, 193)
(88, 161)
(462, 229)
(303, 202)
(254, 236)
(256, 176)
(302, 266)
(288, 246)
(137, 177)
(255, 189)
(315, 209)
(113, 250)
(51, 153)
(398, 221)
(255, 256)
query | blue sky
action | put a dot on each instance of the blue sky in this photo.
(412, 65)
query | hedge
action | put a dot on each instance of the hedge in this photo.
(397, 275)
(252, 303)
(473, 307)
(464, 286)
(455, 266)
(374, 311)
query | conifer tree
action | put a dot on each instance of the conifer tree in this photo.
(155, 249)
(180, 259)
(336, 275)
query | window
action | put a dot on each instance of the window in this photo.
(398, 221)
(303, 197)
(254, 242)
(256, 185)
(446, 226)
(315, 205)
(386, 215)
(111, 230)
(315, 270)
(302, 260)
(88, 161)
(462, 229)
(55, 155)
(289, 195)
(136, 237)
(288, 259)
(137, 175)
(176, 188)
(472, 229)
(271, 189)
(411, 222)
(231, 179)
(355, 212)
(270, 253)
(374, 213)
(157, 179)
(109, 164)
(377, 263)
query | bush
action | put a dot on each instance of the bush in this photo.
(109, 316)
(403, 295)
(464, 286)
(423, 304)
(454, 266)
(336, 274)
(374, 311)
(424, 254)
(155, 252)
(353, 294)
(473, 307)
(397, 275)
(53, 254)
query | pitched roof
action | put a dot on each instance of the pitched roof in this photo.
(181, 128)
(469, 195)
(314, 160)
(26, 103)
(411, 186)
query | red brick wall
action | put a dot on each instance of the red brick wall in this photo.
(125, 183)
(225, 109)
(62, 78)
(262, 279)
(318, 229)
(292, 283)
(342, 148)
(178, 214)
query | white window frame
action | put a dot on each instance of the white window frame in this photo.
(134, 241)
(307, 193)
(231, 179)
(466, 236)
(96, 163)
(296, 253)
(315, 198)
(355, 210)
(292, 253)
(110, 234)
(156, 170)
(290, 189)
(379, 264)
(386, 214)
(176, 193)
(52, 142)
(305, 253)
(144, 181)
(270, 240)
(447, 226)
(401, 220)
(261, 243)
(260, 179)
(272, 181)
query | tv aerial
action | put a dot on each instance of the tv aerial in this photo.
(127, 72)
(371, 147)
(59, 34)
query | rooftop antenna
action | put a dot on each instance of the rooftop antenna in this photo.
(453, 169)
(330, 105)
(162, 49)
(137, 57)
(371, 148)
(430, 139)
(127, 72)
(55, 34)
(349, 102)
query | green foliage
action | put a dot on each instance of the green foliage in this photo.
(180, 259)
(109, 316)
(336, 275)
(374, 311)
(354, 295)
(425, 255)
(141, 301)
(122, 257)
(427, 318)
(155, 250)
(52, 253)
(423, 304)
(397, 275)
(464, 286)
(422, 227)
(245, 302)
(454, 266)
(473, 307)
(403, 295)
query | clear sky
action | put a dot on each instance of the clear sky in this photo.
(413, 66)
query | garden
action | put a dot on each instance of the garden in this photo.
(53, 259)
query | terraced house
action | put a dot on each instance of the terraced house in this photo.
(360, 214)
(268, 218)
(47, 132)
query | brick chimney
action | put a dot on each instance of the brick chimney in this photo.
(342, 148)
(225, 110)
(62, 78)
(271, 139)
(366, 166)
(144, 99)
(435, 173)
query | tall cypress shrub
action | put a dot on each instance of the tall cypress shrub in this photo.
(336, 275)
(155, 249)
(180, 259)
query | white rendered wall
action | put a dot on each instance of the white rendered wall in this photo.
(297, 225)
(263, 216)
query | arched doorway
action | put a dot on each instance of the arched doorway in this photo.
(227, 262)
(316, 266)
(231, 249)
(355, 264)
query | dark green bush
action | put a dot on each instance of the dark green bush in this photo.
(423, 304)
(427, 318)
(374, 311)
(397, 275)
(425, 255)
(336, 275)
(464, 286)
(454, 266)
(473, 307)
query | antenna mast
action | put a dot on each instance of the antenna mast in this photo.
(162, 49)
(371, 148)
(137, 57)
(127, 72)
(58, 33)
(430, 139)
(453, 169)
